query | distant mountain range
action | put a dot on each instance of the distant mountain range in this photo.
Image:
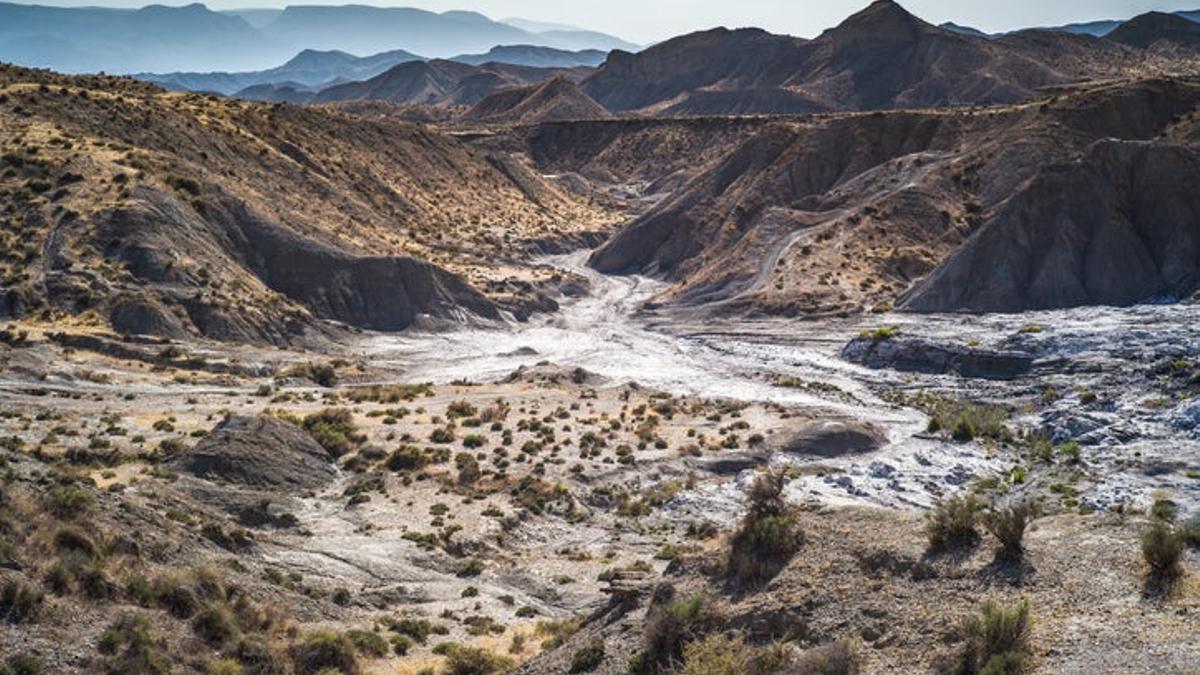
(195, 39)
(882, 57)
(1094, 28)
(312, 70)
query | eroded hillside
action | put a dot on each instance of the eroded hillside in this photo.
(850, 213)
(183, 214)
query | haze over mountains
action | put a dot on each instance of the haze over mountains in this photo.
(165, 39)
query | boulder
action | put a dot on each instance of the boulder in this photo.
(261, 452)
(914, 355)
(830, 439)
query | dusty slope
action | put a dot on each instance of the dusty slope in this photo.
(243, 221)
(865, 575)
(846, 213)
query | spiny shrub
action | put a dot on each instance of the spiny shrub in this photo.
(768, 536)
(952, 523)
(325, 650)
(215, 625)
(465, 660)
(1008, 526)
(841, 657)
(717, 654)
(669, 627)
(997, 639)
(19, 603)
(369, 643)
(588, 657)
(334, 430)
(133, 647)
(1162, 548)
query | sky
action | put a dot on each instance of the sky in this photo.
(646, 21)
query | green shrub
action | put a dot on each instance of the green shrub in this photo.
(133, 647)
(669, 627)
(718, 654)
(769, 534)
(21, 664)
(225, 667)
(325, 650)
(1162, 548)
(952, 523)
(588, 657)
(19, 603)
(964, 429)
(70, 502)
(464, 660)
(334, 430)
(417, 629)
(406, 458)
(369, 643)
(997, 639)
(401, 644)
(841, 657)
(1008, 526)
(555, 633)
(215, 625)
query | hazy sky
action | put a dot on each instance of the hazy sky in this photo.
(650, 20)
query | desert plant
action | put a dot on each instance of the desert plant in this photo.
(1162, 549)
(588, 657)
(669, 627)
(325, 650)
(840, 657)
(19, 603)
(133, 647)
(367, 642)
(465, 660)
(953, 523)
(1008, 525)
(717, 654)
(334, 430)
(997, 639)
(769, 534)
(214, 625)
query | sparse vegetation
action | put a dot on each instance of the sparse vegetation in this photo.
(997, 639)
(769, 534)
(953, 523)
(1008, 525)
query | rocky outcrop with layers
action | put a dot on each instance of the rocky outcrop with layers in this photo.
(1119, 225)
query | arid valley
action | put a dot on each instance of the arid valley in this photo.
(876, 352)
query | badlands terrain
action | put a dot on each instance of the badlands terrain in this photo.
(549, 368)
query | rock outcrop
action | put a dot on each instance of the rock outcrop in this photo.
(922, 356)
(1118, 226)
(258, 452)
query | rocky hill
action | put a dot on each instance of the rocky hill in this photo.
(882, 57)
(1059, 202)
(442, 82)
(1154, 28)
(554, 100)
(184, 214)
